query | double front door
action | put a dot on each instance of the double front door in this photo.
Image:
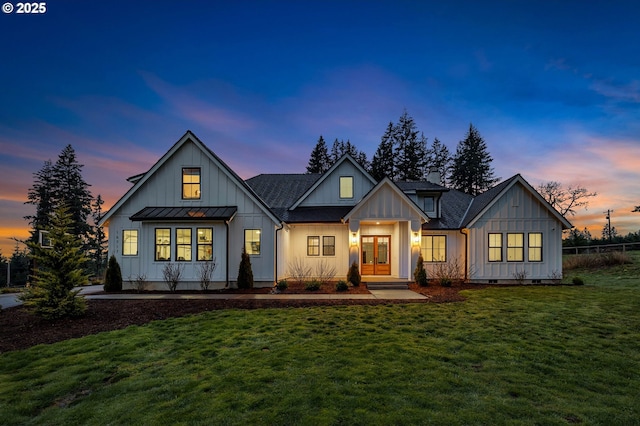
(376, 259)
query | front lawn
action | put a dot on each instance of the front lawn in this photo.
(516, 355)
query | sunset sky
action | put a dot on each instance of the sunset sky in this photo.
(552, 86)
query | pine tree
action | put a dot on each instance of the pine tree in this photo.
(97, 239)
(438, 156)
(41, 195)
(382, 164)
(319, 161)
(58, 270)
(410, 150)
(340, 148)
(245, 273)
(113, 276)
(471, 170)
(70, 189)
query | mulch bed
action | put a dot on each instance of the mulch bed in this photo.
(19, 329)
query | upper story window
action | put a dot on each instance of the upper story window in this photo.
(346, 186)
(429, 204)
(191, 183)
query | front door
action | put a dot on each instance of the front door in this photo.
(376, 259)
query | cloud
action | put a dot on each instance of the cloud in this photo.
(629, 92)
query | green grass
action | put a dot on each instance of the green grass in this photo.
(516, 355)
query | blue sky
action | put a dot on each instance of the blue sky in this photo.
(552, 86)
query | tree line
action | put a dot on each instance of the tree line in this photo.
(405, 154)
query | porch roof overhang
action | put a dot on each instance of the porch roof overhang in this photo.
(185, 213)
(317, 214)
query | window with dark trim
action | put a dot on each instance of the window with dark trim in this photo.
(515, 247)
(183, 244)
(429, 204)
(163, 244)
(329, 246)
(313, 246)
(433, 248)
(191, 183)
(205, 243)
(495, 247)
(346, 186)
(130, 242)
(252, 241)
(535, 247)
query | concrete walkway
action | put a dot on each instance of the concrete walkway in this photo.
(9, 300)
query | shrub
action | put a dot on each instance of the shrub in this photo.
(172, 273)
(420, 274)
(205, 272)
(520, 276)
(140, 282)
(313, 285)
(353, 276)
(342, 286)
(595, 260)
(578, 281)
(445, 282)
(113, 276)
(282, 285)
(298, 270)
(245, 273)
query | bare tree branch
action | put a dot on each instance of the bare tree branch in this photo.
(566, 200)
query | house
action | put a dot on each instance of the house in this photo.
(190, 207)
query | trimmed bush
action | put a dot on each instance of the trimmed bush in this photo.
(282, 285)
(342, 286)
(578, 281)
(245, 273)
(313, 285)
(113, 276)
(445, 282)
(420, 274)
(353, 276)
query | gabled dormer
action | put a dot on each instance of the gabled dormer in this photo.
(426, 195)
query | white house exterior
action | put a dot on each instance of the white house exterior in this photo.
(190, 207)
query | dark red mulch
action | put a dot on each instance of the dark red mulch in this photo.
(20, 329)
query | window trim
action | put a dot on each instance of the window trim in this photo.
(350, 178)
(189, 245)
(197, 185)
(432, 238)
(530, 247)
(520, 248)
(259, 241)
(156, 245)
(205, 244)
(313, 249)
(433, 203)
(495, 247)
(128, 244)
(325, 246)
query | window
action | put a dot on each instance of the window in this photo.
(329, 246)
(535, 247)
(130, 242)
(190, 183)
(515, 247)
(163, 244)
(252, 241)
(495, 247)
(429, 204)
(205, 243)
(313, 246)
(434, 248)
(183, 244)
(346, 186)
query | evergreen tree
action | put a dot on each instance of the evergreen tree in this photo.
(438, 156)
(113, 276)
(340, 148)
(410, 149)
(70, 189)
(319, 161)
(58, 270)
(97, 243)
(245, 273)
(383, 160)
(41, 195)
(471, 170)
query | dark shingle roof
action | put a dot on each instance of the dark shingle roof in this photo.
(419, 186)
(453, 206)
(280, 191)
(483, 200)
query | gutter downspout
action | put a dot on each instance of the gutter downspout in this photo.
(275, 266)
(465, 232)
(226, 223)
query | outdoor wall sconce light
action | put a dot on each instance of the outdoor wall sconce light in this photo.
(416, 239)
(354, 239)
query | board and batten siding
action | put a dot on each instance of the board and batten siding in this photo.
(297, 248)
(455, 251)
(518, 211)
(328, 192)
(164, 189)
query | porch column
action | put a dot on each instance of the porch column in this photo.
(415, 237)
(354, 242)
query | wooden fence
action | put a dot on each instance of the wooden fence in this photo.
(603, 248)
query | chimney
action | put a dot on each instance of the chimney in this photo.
(434, 176)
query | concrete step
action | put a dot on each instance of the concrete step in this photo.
(387, 285)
